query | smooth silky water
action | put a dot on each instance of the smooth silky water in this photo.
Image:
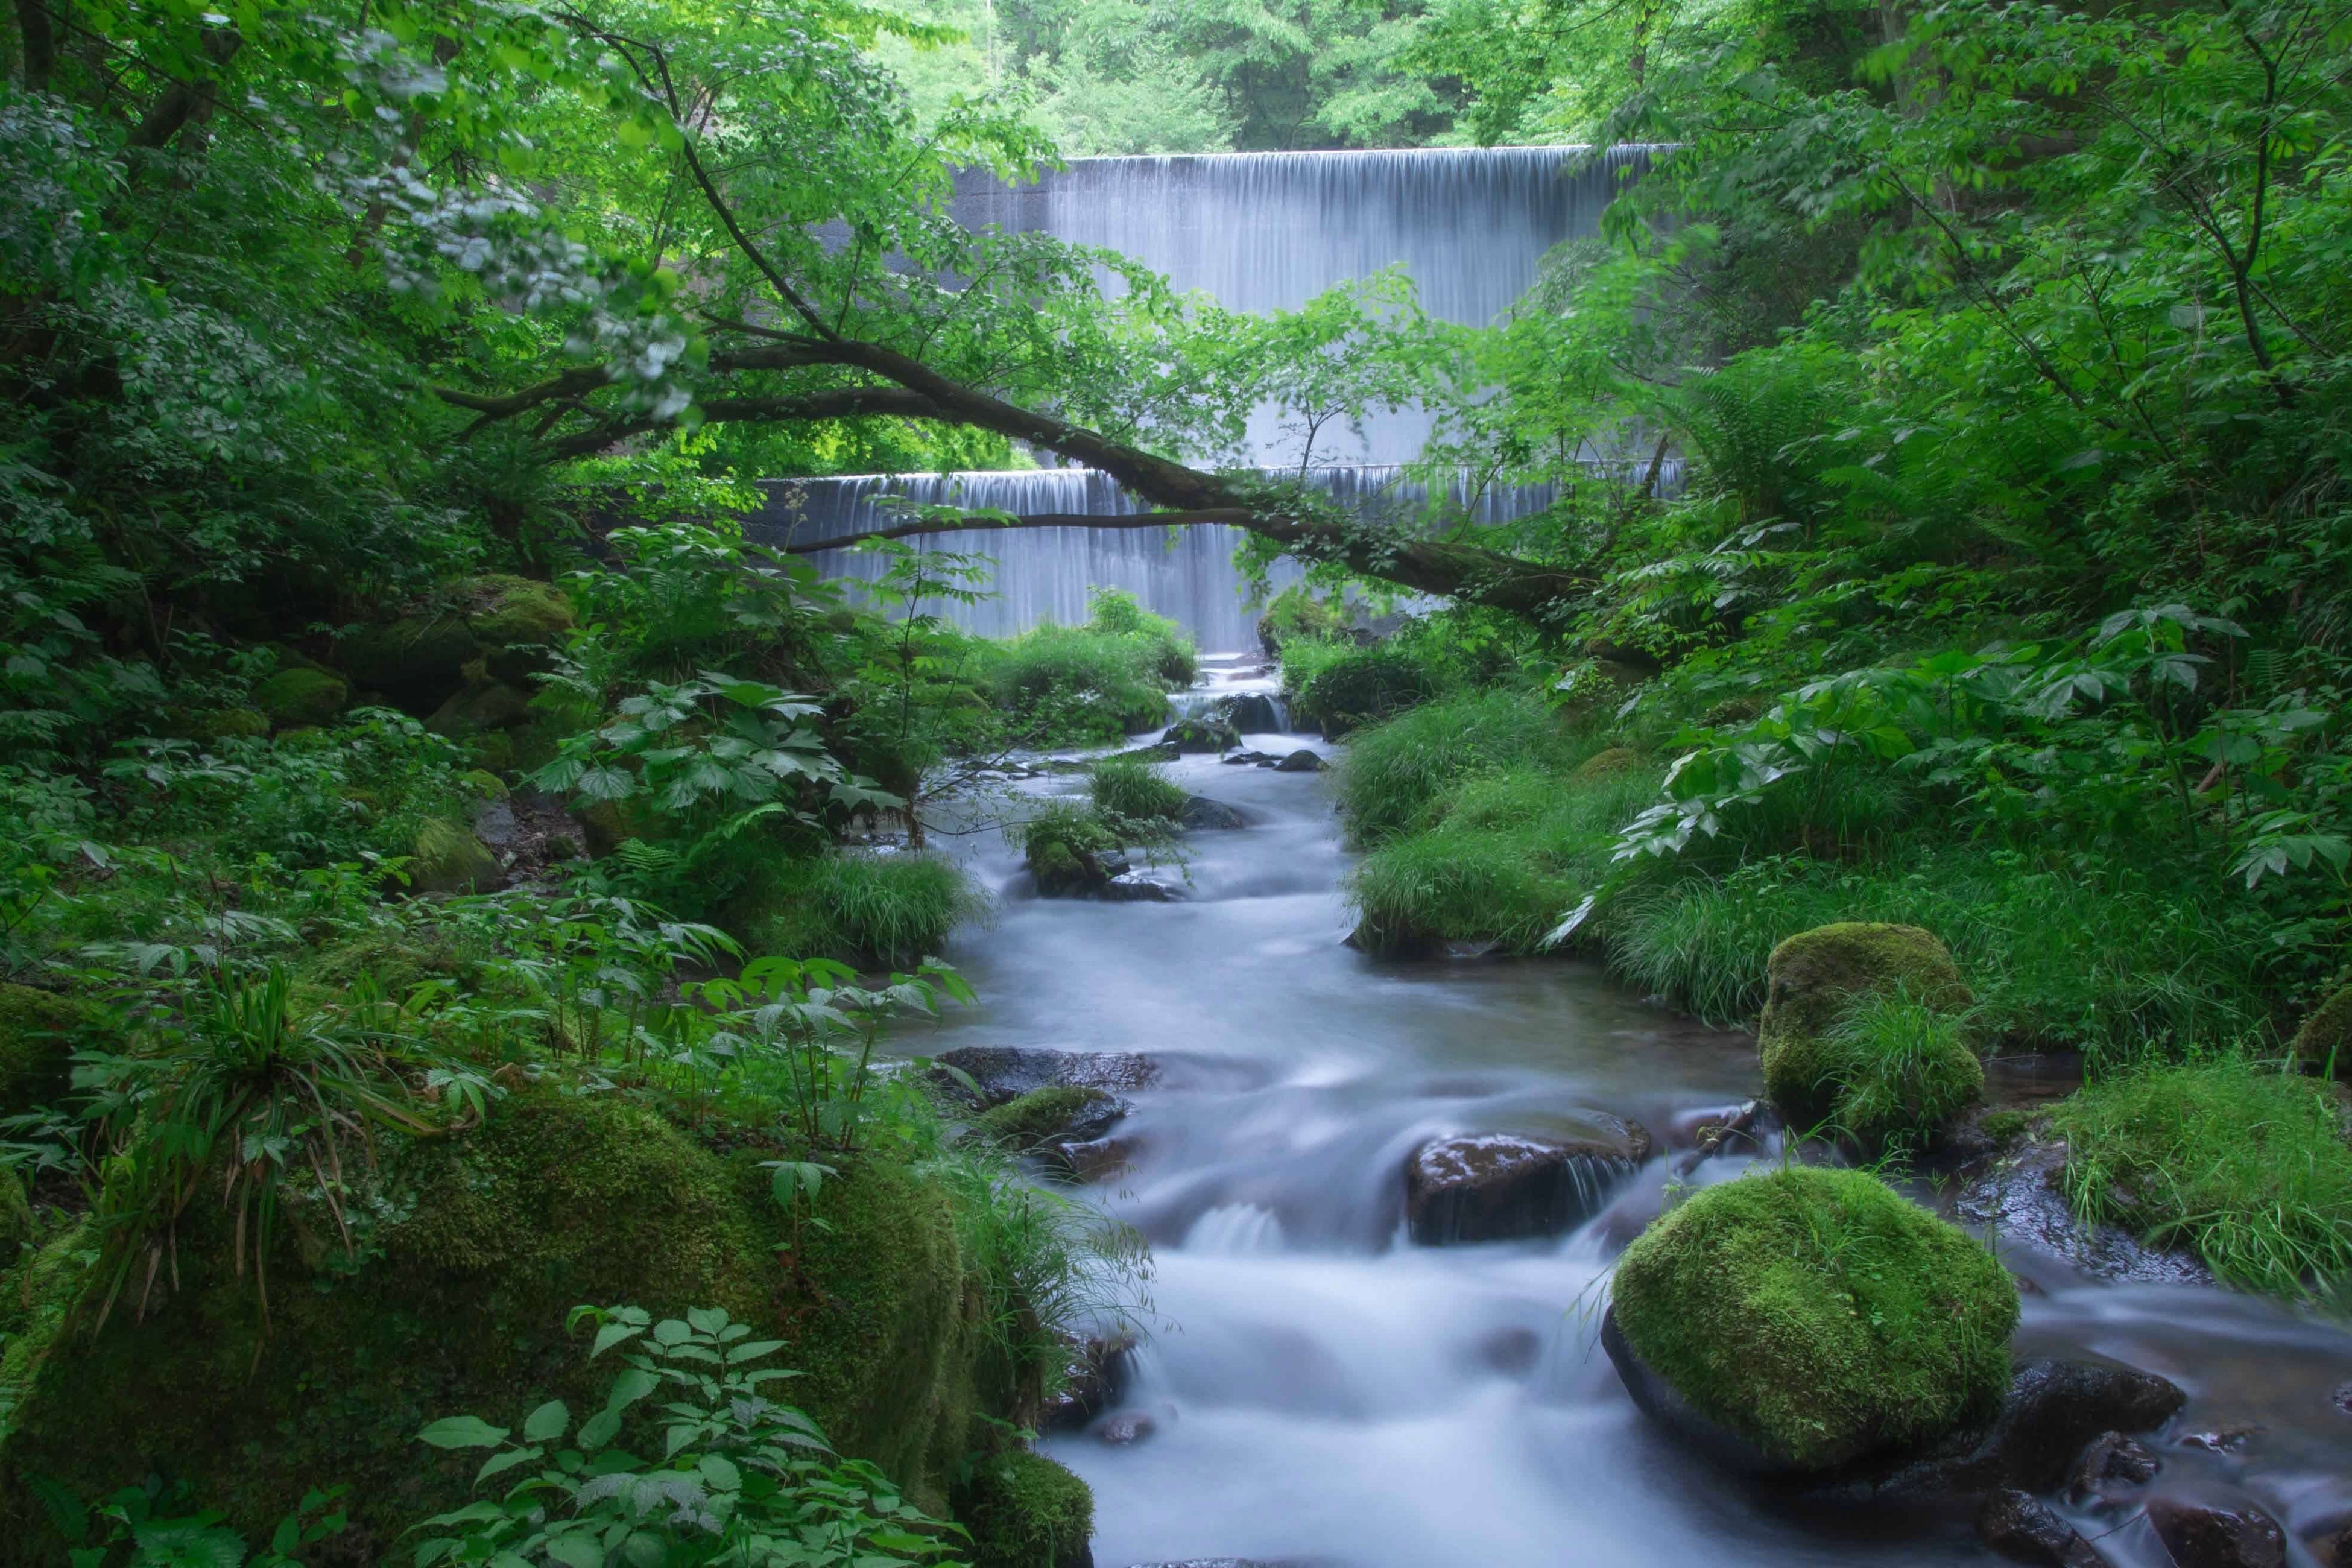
(1320, 1389)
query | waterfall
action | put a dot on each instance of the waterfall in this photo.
(1042, 574)
(1256, 231)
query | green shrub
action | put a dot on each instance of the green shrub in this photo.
(1818, 1314)
(1063, 845)
(1364, 686)
(1297, 614)
(881, 911)
(1131, 787)
(1026, 1512)
(2247, 1166)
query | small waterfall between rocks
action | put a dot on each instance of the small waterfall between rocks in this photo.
(1256, 231)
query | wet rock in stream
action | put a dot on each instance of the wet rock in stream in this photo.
(1301, 761)
(1095, 1372)
(1135, 887)
(1496, 1186)
(2024, 1529)
(1202, 814)
(2210, 1535)
(2111, 1468)
(1002, 1073)
(2018, 1196)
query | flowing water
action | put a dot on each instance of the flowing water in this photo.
(1321, 1390)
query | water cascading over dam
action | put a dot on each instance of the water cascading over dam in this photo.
(1256, 231)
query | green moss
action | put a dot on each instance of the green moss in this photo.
(1030, 1119)
(1026, 1512)
(39, 1032)
(1899, 1061)
(1061, 845)
(17, 1226)
(1608, 761)
(1818, 1314)
(2247, 1166)
(476, 1248)
(486, 707)
(449, 859)
(35, 1298)
(1131, 788)
(505, 611)
(292, 698)
(2324, 1042)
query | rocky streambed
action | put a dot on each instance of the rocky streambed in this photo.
(1384, 1200)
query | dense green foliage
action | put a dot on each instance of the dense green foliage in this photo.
(1818, 1314)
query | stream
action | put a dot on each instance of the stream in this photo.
(1317, 1389)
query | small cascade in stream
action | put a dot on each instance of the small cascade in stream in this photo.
(1044, 574)
(1256, 231)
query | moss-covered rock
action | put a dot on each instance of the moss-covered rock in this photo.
(292, 698)
(449, 859)
(17, 1228)
(39, 1032)
(1031, 1121)
(474, 1248)
(492, 705)
(1609, 762)
(1812, 1069)
(1026, 1512)
(1818, 1315)
(2323, 1044)
(1071, 851)
(516, 621)
(504, 627)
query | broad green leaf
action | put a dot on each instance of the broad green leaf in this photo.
(547, 1423)
(463, 1431)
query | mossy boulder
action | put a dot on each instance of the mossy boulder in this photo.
(1206, 733)
(478, 710)
(474, 1247)
(448, 859)
(1026, 1512)
(1816, 1071)
(504, 627)
(1043, 1116)
(1609, 762)
(2323, 1044)
(294, 698)
(18, 1229)
(39, 1032)
(1815, 1316)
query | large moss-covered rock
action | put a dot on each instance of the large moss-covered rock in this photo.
(293, 697)
(1026, 1512)
(1816, 1071)
(39, 1032)
(481, 628)
(17, 1228)
(472, 1251)
(2323, 1044)
(1817, 1315)
(450, 859)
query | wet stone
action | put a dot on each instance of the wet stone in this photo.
(1301, 761)
(2111, 1466)
(1252, 712)
(1007, 1072)
(1097, 1159)
(1093, 1377)
(1496, 1185)
(1204, 734)
(1125, 1429)
(1201, 813)
(1135, 887)
(2209, 1536)
(2020, 1199)
(2024, 1529)
(1250, 759)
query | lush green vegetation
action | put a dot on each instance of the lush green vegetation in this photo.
(385, 381)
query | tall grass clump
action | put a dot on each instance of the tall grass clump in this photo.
(1899, 1069)
(2247, 1166)
(1395, 773)
(878, 910)
(2106, 964)
(1132, 788)
(1509, 851)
